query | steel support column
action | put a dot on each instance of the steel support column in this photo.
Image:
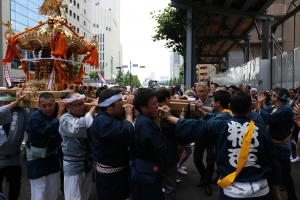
(272, 55)
(226, 62)
(293, 80)
(247, 50)
(188, 75)
(265, 39)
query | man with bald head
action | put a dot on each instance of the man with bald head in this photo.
(78, 163)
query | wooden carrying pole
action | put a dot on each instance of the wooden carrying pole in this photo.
(31, 100)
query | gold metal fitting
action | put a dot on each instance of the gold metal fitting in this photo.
(63, 66)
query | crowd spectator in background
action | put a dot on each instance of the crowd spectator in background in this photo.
(200, 147)
(292, 95)
(174, 94)
(213, 87)
(232, 89)
(189, 95)
(298, 90)
(224, 87)
(247, 89)
(179, 90)
(241, 87)
(253, 94)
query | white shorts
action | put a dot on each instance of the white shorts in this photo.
(78, 187)
(44, 188)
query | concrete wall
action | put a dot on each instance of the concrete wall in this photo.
(255, 73)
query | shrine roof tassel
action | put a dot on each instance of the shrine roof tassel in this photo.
(61, 46)
(93, 60)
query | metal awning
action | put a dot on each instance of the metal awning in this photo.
(239, 15)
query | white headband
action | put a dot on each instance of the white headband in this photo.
(70, 100)
(110, 100)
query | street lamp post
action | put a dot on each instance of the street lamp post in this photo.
(102, 72)
(130, 75)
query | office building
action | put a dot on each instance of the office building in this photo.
(176, 61)
(106, 27)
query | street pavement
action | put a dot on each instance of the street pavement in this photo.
(186, 190)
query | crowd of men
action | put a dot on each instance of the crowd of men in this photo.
(246, 135)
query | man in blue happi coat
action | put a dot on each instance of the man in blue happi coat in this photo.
(42, 170)
(261, 170)
(111, 135)
(150, 144)
(279, 118)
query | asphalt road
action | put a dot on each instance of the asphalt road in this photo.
(186, 190)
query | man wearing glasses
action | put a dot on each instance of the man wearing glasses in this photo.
(112, 134)
(77, 160)
(207, 172)
(12, 129)
(41, 147)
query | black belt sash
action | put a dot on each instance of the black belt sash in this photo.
(3, 157)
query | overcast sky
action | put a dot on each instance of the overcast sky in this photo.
(137, 27)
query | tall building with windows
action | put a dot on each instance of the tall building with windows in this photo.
(24, 13)
(106, 27)
(79, 14)
(176, 61)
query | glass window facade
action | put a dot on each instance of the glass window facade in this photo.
(24, 14)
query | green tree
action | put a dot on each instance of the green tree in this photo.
(76, 69)
(180, 79)
(120, 78)
(171, 82)
(126, 80)
(135, 80)
(174, 81)
(94, 75)
(171, 27)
